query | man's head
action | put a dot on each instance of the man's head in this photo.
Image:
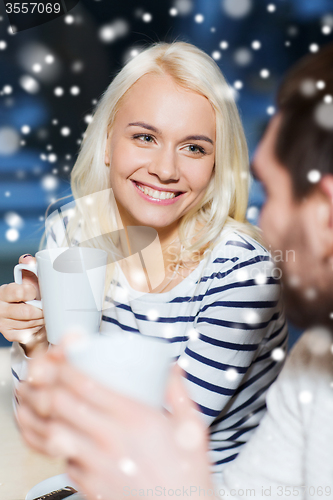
(294, 161)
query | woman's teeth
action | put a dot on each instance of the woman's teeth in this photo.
(158, 195)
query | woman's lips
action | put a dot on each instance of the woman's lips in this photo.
(157, 201)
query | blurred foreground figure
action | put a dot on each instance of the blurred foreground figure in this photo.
(119, 448)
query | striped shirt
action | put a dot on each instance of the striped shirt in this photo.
(227, 330)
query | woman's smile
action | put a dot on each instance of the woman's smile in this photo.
(157, 195)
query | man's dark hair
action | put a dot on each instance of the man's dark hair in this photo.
(305, 138)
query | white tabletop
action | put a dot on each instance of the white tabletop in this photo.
(20, 468)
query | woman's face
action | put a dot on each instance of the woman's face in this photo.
(161, 151)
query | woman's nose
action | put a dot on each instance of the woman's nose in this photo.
(164, 164)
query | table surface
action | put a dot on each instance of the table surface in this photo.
(20, 467)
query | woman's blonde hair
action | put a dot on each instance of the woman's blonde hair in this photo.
(225, 202)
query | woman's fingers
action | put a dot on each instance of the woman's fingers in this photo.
(14, 325)
(13, 292)
(29, 277)
(26, 259)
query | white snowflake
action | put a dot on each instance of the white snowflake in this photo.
(264, 73)
(75, 90)
(147, 17)
(153, 315)
(183, 7)
(256, 45)
(320, 84)
(238, 84)
(36, 68)
(69, 19)
(308, 87)
(59, 91)
(305, 397)
(183, 363)
(13, 220)
(49, 182)
(237, 8)
(49, 59)
(65, 131)
(324, 115)
(314, 47)
(52, 157)
(224, 45)
(29, 84)
(231, 374)
(278, 354)
(243, 56)
(199, 18)
(7, 89)
(314, 176)
(193, 334)
(25, 129)
(216, 55)
(12, 234)
(128, 467)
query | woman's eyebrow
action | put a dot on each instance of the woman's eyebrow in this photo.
(198, 138)
(146, 126)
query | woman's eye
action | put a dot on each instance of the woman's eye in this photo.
(194, 148)
(144, 137)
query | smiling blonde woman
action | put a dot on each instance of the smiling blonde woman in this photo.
(166, 138)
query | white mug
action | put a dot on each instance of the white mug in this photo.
(132, 364)
(71, 282)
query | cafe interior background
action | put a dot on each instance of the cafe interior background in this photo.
(52, 76)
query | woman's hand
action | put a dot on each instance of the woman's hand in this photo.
(21, 322)
(114, 446)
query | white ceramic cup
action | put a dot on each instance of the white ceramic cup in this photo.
(132, 364)
(71, 282)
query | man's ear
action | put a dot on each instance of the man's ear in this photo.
(326, 187)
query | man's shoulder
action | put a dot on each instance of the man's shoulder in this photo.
(312, 354)
(308, 373)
